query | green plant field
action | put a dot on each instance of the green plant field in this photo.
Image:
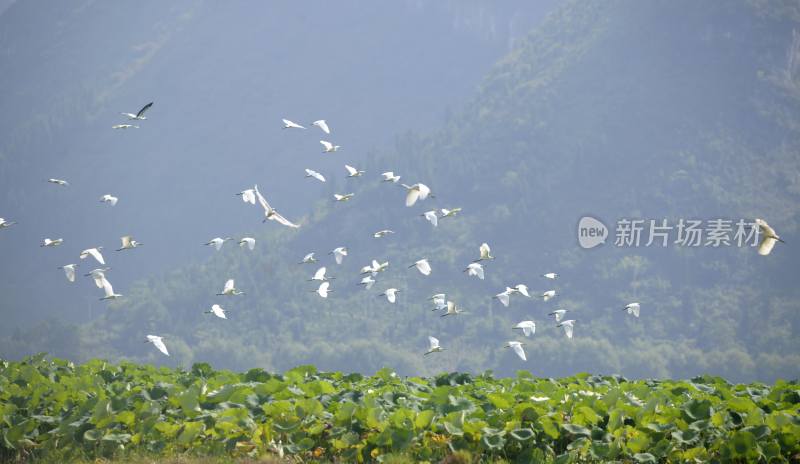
(51, 409)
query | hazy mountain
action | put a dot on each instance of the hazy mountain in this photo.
(619, 109)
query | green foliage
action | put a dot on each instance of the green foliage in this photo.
(52, 409)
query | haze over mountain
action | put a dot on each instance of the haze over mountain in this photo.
(619, 109)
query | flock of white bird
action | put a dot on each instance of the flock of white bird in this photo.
(414, 193)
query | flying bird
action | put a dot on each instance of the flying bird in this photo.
(485, 253)
(528, 327)
(324, 289)
(517, 347)
(474, 269)
(218, 311)
(315, 175)
(128, 243)
(423, 266)
(5, 224)
(439, 301)
(217, 242)
(140, 115)
(505, 296)
(60, 182)
(345, 197)
(248, 242)
(94, 253)
(382, 233)
(550, 275)
(449, 212)
(390, 294)
(567, 325)
(69, 271)
(322, 125)
(110, 199)
(339, 254)
(367, 282)
(546, 296)
(52, 243)
(558, 313)
(320, 275)
(124, 126)
(309, 258)
(431, 217)
(769, 237)
(353, 172)
(389, 176)
(452, 309)
(416, 192)
(632, 308)
(248, 196)
(270, 213)
(99, 275)
(329, 147)
(109, 291)
(291, 125)
(158, 342)
(522, 289)
(230, 289)
(433, 345)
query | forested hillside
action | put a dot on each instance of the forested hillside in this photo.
(620, 109)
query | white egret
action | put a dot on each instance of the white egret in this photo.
(248, 242)
(546, 296)
(416, 192)
(4, 224)
(367, 282)
(322, 125)
(475, 269)
(632, 308)
(375, 267)
(523, 289)
(217, 242)
(505, 296)
(230, 289)
(353, 172)
(382, 233)
(485, 252)
(439, 301)
(218, 311)
(69, 271)
(158, 342)
(98, 275)
(452, 309)
(291, 125)
(423, 266)
(558, 313)
(307, 259)
(338, 254)
(329, 147)
(52, 243)
(568, 326)
(431, 217)
(94, 253)
(271, 213)
(109, 290)
(320, 275)
(528, 327)
(434, 346)
(389, 176)
(517, 347)
(128, 243)
(345, 197)
(248, 196)
(550, 275)
(139, 116)
(60, 182)
(315, 175)
(124, 126)
(110, 199)
(769, 237)
(449, 212)
(324, 289)
(390, 294)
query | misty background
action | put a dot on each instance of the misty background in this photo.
(528, 115)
